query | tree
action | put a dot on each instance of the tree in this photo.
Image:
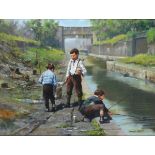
(8, 26)
(50, 29)
(44, 31)
(35, 26)
(108, 28)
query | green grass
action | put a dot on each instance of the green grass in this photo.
(140, 59)
(44, 56)
(13, 50)
(64, 126)
(97, 131)
(112, 40)
(151, 35)
(12, 38)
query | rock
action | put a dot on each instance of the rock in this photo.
(17, 71)
(4, 85)
(126, 75)
(26, 77)
(34, 72)
(30, 83)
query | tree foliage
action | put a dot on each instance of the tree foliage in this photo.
(8, 26)
(44, 31)
(108, 28)
(151, 35)
(40, 30)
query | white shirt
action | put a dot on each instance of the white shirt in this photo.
(72, 66)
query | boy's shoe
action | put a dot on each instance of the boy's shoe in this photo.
(68, 106)
(53, 109)
(109, 117)
(47, 110)
(101, 121)
(79, 108)
(104, 121)
(85, 119)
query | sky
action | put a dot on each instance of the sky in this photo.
(69, 22)
(74, 22)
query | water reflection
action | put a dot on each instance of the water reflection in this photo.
(135, 99)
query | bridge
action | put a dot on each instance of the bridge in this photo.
(75, 37)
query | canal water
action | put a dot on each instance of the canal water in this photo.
(131, 100)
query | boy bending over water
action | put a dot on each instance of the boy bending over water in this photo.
(95, 105)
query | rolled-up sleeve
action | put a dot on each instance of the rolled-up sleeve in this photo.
(68, 69)
(84, 71)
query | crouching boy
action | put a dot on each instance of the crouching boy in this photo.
(94, 106)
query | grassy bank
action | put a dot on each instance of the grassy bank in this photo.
(112, 40)
(140, 59)
(38, 58)
(11, 47)
(7, 38)
(97, 131)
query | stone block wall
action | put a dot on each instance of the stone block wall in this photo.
(122, 48)
(131, 70)
(151, 49)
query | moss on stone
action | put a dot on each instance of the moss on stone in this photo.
(97, 131)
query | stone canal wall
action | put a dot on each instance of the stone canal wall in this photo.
(136, 71)
(130, 47)
(122, 48)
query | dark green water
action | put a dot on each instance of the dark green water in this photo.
(133, 100)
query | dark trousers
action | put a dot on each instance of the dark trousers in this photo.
(48, 95)
(74, 81)
(93, 111)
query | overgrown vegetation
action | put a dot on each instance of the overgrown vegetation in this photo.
(113, 40)
(11, 47)
(44, 31)
(109, 31)
(108, 28)
(65, 125)
(151, 35)
(131, 34)
(140, 59)
(7, 38)
(39, 57)
(98, 131)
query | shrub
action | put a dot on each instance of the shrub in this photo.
(112, 40)
(140, 59)
(131, 34)
(11, 38)
(43, 57)
(151, 35)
